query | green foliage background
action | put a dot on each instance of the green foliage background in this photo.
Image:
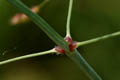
(90, 19)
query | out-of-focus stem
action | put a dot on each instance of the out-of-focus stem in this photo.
(41, 5)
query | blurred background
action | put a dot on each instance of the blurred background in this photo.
(90, 19)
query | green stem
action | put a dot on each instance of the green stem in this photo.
(98, 39)
(69, 18)
(27, 56)
(43, 3)
(81, 62)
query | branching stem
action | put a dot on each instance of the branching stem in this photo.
(27, 56)
(74, 56)
(69, 18)
(98, 39)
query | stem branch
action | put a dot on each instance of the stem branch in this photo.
(43, 3)
(98, 39)
(69, 18)
(27, 56)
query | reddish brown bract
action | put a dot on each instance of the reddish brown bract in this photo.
(72, 46)
(68, 39)
(59, 50)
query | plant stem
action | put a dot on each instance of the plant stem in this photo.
(75, 56)
(43, 3)
(98, 39)
(41, 24)
(27, 56)
(81, 62)
(69, 18)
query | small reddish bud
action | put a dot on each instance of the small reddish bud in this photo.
(68, 39)
(72, 46)
(59, 50)
(18, 18)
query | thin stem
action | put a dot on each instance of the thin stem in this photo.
(69, 18)
(43, 3)
(27, 56)
(98, 39)
(82, 63)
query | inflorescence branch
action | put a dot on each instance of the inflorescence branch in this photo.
(69, 19)
(98, 39)
(28, 56)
